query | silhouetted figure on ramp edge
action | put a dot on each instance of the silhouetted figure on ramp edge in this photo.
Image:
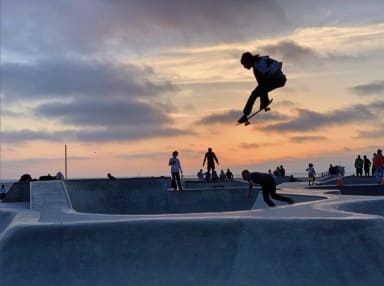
(210, 158)
(268, 187)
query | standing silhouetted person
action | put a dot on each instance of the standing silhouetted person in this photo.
(176, 169)
(210, 158)
(359, 163)
(367, 165)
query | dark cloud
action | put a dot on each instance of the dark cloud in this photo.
(300, 55)
(224, 117)
(76, 26)
(88, 93)
(105, 113)
(307, 120)
(104, 100)
(27, 135)
(302, 139)
(63, 78)
(86, 135)
(231, 116)
(83, 27)
(290, 50)
(373, 88)
(376, 134)
(249, 146)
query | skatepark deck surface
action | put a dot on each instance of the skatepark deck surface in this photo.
(69, 233)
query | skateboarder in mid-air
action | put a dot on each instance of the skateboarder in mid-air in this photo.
(268, 75)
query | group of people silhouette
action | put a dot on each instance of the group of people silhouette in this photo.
(370, 168)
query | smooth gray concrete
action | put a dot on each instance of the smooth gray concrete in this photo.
(48, 194)
(323, 239)
(152, 196)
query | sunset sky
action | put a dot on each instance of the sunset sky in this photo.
(123, 83)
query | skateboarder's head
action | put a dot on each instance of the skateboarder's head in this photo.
(175, 153)
(247, 60)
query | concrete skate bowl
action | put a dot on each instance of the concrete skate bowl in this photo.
(371, 207)
(5, 219)
(200, 251)
(363, 190)
(152, 196)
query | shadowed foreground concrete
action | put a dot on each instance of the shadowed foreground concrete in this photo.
(324, 239)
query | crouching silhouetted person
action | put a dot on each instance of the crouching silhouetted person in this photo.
(268, 187)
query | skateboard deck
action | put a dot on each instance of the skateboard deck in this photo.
(256, 112)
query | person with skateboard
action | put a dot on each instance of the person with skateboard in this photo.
(268, 186)
(268, 75)
(176, 169)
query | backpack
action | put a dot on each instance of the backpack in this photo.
(271, 69)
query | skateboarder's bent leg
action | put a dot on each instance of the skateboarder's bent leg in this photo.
(278, 197)
(264, 99)
(266, 198)
(251, 100)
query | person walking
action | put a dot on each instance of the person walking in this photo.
(268, 187)
(311, 174)
(176, 169)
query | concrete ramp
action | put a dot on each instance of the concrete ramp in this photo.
(5, 218)
(48, 194)
(152, 196)
(196, 252)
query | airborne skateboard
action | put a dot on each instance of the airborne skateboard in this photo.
(267, 108)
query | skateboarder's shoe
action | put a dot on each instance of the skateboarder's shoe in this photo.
(291, 202)
(264, 105)
(243, 119)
